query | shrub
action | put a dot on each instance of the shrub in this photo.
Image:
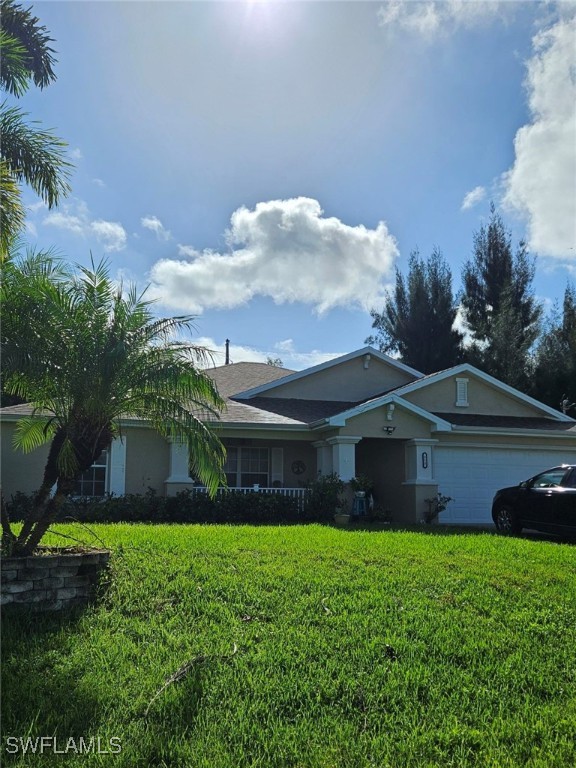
(188, 506)
(325, 496)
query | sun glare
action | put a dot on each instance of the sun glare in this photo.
(261, 15)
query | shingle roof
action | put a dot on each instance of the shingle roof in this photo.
(284, 410)
(237, 377)
(17, 410)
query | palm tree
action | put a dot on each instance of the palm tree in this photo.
(27, 54)
(28, 153)
(84, 353)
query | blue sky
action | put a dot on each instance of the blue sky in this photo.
(266, 165)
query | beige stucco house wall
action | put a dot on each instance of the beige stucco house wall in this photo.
(459, 431)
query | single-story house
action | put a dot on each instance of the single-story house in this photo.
(459, 432)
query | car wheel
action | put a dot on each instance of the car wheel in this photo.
(507, 521)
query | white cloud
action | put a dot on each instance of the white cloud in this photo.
(296, 360)
(541, 185)
(37, 206)
(110, 233)
(430, 19)
(65, 221)
(98, 182)
(473, 197)
(289, 252)
(291, 358)
(188, 251)
(154, 224)
(75, 218)
(76, 154)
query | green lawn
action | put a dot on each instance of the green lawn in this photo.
(353, 649)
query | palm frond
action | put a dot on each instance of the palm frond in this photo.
(33, 432)
(19, 24)
(34, 155)
(12, 213)
(14, 75)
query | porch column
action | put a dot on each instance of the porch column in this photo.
(179, 467)
(344, 456)
(420, 483)
(419, 464)
(323, 457)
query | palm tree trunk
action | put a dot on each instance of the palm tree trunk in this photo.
(8, 537)
(40, 527)
(40, 500)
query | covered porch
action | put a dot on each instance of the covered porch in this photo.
(400, 468)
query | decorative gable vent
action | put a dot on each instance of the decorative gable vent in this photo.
(462, 393)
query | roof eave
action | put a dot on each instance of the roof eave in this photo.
(510, 432)
(260, 426)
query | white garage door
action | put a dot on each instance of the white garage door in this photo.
(472, 476)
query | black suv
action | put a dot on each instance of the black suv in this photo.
(546, 502)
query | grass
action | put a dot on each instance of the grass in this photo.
(353, 649)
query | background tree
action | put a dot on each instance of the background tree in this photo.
(500, 310)
(275, 361)
(27, 154)
(555, 365)
(84, 353)
(417, 321)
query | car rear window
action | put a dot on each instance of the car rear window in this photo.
(549, 479)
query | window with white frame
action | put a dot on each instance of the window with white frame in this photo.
(92, 482)
(247, 466)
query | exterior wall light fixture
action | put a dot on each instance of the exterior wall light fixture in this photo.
(389, 430)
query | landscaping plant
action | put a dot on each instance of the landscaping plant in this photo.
(85, 351)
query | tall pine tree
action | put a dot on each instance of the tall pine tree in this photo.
(417, 321)
(500, 310)
(555, 369)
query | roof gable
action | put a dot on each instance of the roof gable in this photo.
(357, 376)
(487, 395)
(437, 422)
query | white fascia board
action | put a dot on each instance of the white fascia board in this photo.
(325, 366)
(467, 368)
(248, 426)
(507, 432)
(340, 419)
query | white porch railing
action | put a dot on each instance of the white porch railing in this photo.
(294, 493)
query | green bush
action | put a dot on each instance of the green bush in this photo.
(190, 506)
(325, 496)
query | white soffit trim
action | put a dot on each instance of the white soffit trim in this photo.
(325, 366)
(552, 434)
(470, 369)
(340, 419)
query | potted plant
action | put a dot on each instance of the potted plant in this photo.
(362, 486)
(436, 504)
(341, 518)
